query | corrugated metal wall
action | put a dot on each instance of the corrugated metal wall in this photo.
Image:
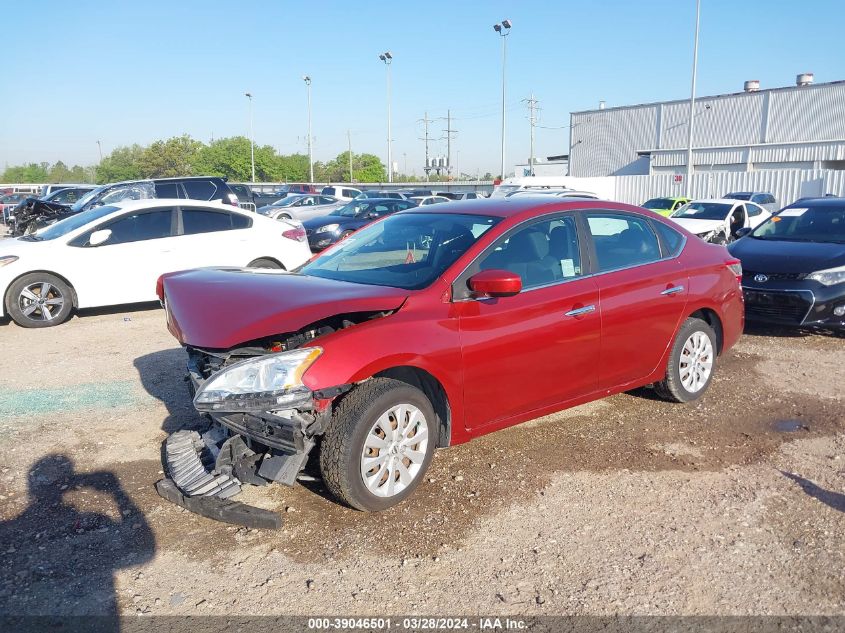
(606, 142)
(786, 185)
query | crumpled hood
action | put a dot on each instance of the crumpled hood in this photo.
(697, 227)
(221, 308)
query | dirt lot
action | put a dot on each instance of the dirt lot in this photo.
(733, 505)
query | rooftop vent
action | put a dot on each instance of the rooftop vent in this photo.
(752, 85)
(601, 105)
(804, 79)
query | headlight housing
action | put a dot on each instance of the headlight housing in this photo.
(264, 383)
(829, 277)
(328, 228)
(8, 259)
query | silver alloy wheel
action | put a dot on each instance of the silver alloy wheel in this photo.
(41, 300)
(394, 450)
(696, 362)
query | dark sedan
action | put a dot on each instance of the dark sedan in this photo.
(324, 231)
(794, 265)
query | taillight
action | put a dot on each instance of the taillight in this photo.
(297, 234)
(736, 268)
(232, 199)
(160, 289)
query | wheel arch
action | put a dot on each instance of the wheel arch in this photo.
(275, 260)
(433, 390)
(73, 295)
(711, 318)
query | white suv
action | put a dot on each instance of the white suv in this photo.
(340, 192)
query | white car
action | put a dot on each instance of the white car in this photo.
(426, 200)
(341, 192)
(558, 192)
(301, 206)
(718, 220)
(114, 254)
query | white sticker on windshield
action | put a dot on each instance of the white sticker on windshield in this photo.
(568, 267)
(787, 213)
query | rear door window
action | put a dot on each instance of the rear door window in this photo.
(167, 190)
(200, 189)
(195, 221)
(622, 240)
(671, 239)
(753, 209)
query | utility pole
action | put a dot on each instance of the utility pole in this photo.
(100, 148)
(387, 58)
(503, 29)
(251, 137)
(449, 131)
(349, 140)
(307, 81)
(532, 119)
(688, 187)
(427, 168)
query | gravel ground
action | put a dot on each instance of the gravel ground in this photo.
(732, 505)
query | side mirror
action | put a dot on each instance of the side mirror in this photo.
(495, 283)
(99, 237)
(372, 215)
(743, 232)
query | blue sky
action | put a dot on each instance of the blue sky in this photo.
(125, 72)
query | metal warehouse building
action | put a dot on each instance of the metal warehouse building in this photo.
(797, 127)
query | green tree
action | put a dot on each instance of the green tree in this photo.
(173, 157)
(124, 163)
(365, 168)
(229, 157)
(32, 172)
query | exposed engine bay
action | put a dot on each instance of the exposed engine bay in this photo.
(33, 214)
(249, 447)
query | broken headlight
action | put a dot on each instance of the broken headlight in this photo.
(264, 383)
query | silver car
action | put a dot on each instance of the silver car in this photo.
(301, 207)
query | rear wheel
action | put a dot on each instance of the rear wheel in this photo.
(691, 363)
(379, 444)
(39, 300)
(264, 263)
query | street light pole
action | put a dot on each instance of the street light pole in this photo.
(503, 29)
(251, 137)
(100, 149)
(387, 58)
(307, 80)
(688, 188)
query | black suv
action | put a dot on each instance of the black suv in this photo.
(40, 214)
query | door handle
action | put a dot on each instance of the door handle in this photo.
(672, 291)
(581, 311)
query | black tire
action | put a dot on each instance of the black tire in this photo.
(346, 234)
(343, 444)
(284, 216)
(672, 388)
(18, 303)
(265, 263)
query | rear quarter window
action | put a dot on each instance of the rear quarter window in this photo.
(200, 189)
(671, 241)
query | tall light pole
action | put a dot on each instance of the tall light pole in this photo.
(688, 188)
(307, 81)
(503, 29)
(100, 149)
(387, 58)
(251, 137)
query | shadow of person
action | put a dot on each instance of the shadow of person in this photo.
(163, 375)
(832, 499)
(58, 557)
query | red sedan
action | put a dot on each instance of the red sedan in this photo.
(440, 324)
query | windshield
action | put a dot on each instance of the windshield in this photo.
(63, 227)
(739, 195)
(658, 203)
(703, 211)
(84, 200)
(805, 224)
(286, 202)
(352, 209)
(407, 250)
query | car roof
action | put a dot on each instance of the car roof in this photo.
(508, 207)
(825, 201)
(718, 200)
(128, 205)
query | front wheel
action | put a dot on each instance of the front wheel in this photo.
(39, 300)
(691, 363)
(379, 444)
